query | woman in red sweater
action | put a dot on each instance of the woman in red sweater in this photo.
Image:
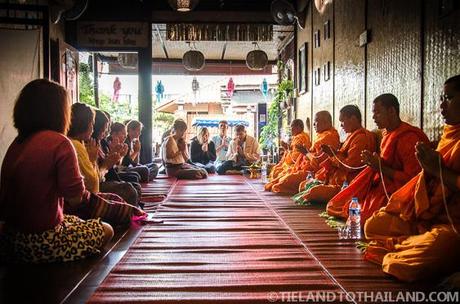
(39, 172)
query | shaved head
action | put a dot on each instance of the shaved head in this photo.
(297, 123)
(323, 121)
(325, 115)
(297, 126)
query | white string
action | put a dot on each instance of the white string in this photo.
(382, 179)
(444, 197)
(314, 156)
(345, 165)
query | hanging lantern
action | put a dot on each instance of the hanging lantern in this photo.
(230, 87)
(264, 87)
(159, 90)
(195, 87)
(183, 5)
(257, 59)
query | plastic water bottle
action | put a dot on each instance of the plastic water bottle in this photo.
(344, 185)
(354, 219)
(264, 172)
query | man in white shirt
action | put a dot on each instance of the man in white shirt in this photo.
(222, 142)
(243, 150)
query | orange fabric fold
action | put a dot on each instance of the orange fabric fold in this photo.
(412, 237)
(289, 158)
(289, 179)
(333, 173)
(367, 185)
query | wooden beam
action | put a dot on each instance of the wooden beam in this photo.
(213, 16)
(145, 100)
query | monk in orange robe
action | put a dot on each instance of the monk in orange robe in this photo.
(342, 165)
(417, 235)
(299, 138)
(397, 159)
(308, 160)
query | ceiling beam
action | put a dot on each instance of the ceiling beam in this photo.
(163, 46)
(212, 17)
(224, 48)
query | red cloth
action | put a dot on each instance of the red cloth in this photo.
(36, 175)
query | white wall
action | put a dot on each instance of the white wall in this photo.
(20, 61)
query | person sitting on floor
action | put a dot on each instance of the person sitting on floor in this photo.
(203, 151)
(131, 159)
(397, 160)
(110, 182)
(118, 136)
(221, 142)
(308, 160)
(102, 204)
(291, 152)
(39, 171)
(417, 235)
(175, 157)
(244, 150)
(342, 165)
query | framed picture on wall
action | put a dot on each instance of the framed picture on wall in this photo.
(317, 74)
(327, 71)
(303, 68)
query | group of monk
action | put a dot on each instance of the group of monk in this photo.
(408, 191)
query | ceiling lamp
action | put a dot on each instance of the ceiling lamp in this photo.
(183, 5)
(257, 59)
(193, 60)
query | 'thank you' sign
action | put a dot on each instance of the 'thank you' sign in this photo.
(112, 34)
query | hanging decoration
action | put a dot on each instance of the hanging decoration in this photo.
(159, 90)
(230, 87)
(195, 88)
(256, 59)
(193, 60)
(264, 88)
(116, 89)
(183, 5)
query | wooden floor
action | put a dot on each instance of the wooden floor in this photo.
(222, 240)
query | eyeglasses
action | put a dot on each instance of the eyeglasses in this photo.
(445, 97)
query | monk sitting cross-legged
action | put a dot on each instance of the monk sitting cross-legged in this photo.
(299, 138)
(417, 235)
(308, 160)
(397, 160)
(342, 165)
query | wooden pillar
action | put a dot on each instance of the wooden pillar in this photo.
(145, 99)
(95, 80)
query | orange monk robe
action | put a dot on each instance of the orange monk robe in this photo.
(397, 151)
(332, 173)
(290, 156)
(412, 237)
(289, 180)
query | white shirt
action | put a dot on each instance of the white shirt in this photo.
(169, 146)
(251, 150)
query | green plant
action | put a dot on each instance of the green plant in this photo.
(270, 132)
(86, 91)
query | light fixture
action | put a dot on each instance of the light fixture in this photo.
(193, 60)
(257, 59)
(183, 5)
